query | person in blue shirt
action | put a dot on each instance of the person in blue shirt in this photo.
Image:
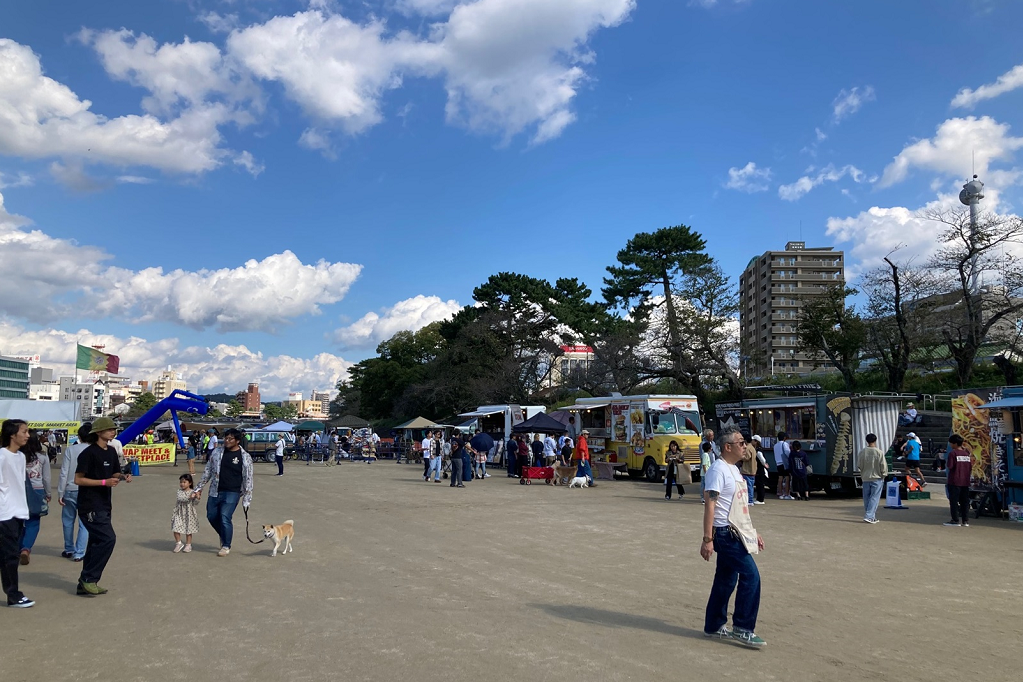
(912, 451)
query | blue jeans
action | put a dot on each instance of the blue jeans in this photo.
(68, 514)
(734, 563)
(750, 480)
(871, 496)
(28, 538)
(219, 511)
(435, 464)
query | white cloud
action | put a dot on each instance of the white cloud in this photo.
(56, 275)
(178, 75)
(749, 178)
(22, 179)
(1007, 82)
(219, 23)
(411, 314)
(206, 369)
(514, 64)
(802, 186)
(872, 234)
(951, 151)
(318, 140)
(426, 7)
(334, 68)
(134, 180)
(41, 118)
(848, 102)
(509, 66)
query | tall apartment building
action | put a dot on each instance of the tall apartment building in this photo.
(324, 398)
(14, 378)
(772, 291)
(251, 401)
(168, 382)
(91, 396)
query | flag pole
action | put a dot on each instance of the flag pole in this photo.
(74, 387)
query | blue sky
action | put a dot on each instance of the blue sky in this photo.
(404, 150)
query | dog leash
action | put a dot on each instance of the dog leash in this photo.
(255, 542)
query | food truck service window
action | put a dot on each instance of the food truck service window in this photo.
(800, 423)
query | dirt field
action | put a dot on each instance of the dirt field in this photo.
(396, 579)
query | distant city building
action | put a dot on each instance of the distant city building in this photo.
(32, 360)
(14, 378)
(772, 291)
(121, 390)
(250, 401)
(91, 396)
(574, 360)
(311, 409)
(42, 385)
(167, 382)
(324, 398)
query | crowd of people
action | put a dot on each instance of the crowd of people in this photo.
(91, 467)
(456, 457)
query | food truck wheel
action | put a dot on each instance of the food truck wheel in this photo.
(651, 471)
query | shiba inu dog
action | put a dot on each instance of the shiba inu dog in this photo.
(285, 533)
(579, 482)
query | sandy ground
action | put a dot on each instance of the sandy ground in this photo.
(396, 579)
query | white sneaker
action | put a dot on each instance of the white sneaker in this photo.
(178, 547)
(224, 551)
(758, 502)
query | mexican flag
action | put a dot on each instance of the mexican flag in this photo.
(95, 361)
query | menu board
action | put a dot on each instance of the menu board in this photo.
(620, 422)
(734, 417)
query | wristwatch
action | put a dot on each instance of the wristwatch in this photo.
(707, 539)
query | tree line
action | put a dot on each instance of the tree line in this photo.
(666, 318)
(939, 313)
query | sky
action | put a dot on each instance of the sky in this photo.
(264, 190)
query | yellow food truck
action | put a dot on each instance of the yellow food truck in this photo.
(636, 429)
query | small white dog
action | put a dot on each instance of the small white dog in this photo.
(579, 482)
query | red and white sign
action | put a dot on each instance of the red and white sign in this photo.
(577, 349)
(680, 404)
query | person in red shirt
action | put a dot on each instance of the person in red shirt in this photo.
(582, 453)
(959, 467)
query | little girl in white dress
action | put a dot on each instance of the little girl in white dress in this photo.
(185, 520)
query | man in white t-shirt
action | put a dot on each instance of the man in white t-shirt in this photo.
(782, 451)
(279, 454)
(724, 488)
(426, 445)
(212, 445)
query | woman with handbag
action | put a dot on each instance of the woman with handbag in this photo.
(37, 490)
(676, 471)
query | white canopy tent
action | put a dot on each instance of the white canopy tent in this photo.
(279, 427)
(41, 413)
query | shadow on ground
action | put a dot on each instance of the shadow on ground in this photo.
(615, 619)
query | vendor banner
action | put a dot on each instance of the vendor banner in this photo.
(70, 427)
(983, 433)
(146, 455)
